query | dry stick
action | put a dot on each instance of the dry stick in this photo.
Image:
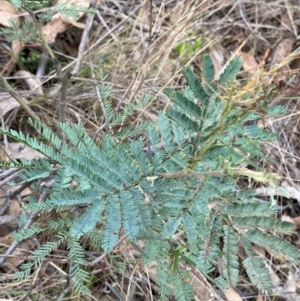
(158, 39)
(97, 88)
(235, 171)
(8, 173)
(18, 98)
(83, 41)
(135, 77)
(243, 17)
(19, 190)
(101, 39)
(82, 46)
(63, 95)
(150, 20)
(30, 220)
(67, 288)
(64, 77)
(106, 26)
(4, 147)
(5, 206)
(9, 178)
(104, 125)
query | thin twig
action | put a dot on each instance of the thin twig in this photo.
(243, 16)
(5, 206)
(8, 173)
(20, 189)
(64, 77)
(106, 26)
(18, 98)
(83, 42)
(190, 173)
(144, 59)
(30, 220)
(97, 87)
(63, 96)
(232, 171)
(150, 19)
(67, 288)
(9, 178)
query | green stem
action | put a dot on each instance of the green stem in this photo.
(215, 133)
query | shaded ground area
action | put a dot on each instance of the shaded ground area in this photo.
(140, 47)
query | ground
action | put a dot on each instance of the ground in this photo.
(140, 47)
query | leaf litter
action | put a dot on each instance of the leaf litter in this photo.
(223, 26)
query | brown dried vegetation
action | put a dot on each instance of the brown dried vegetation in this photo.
(142, 48)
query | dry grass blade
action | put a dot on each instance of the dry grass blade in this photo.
(139, 46)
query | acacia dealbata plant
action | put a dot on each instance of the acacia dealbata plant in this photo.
(161, 181)
(179, 176)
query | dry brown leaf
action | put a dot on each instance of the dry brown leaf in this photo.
(71, 21)
(232, 295)
(202, 289)
(287, 19)
(7, 12)
(18, 150)
(19, 255)
(53, 28)
(260, 251)
(3, 198)
(296, 221)
(14, 210)
(60, 23)
(30, 81)
(15, 207)
(249, 63)
(218, 60)
(12, 53)
(282, 51)
(176, 12)
(7, 103)
(9, 219)
(25, 192)
(15, 49)
(7, 239)
(260, 298)
(285, 190)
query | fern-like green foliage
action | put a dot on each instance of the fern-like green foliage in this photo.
(178, 176)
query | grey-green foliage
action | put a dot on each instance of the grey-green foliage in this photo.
(176, 177)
